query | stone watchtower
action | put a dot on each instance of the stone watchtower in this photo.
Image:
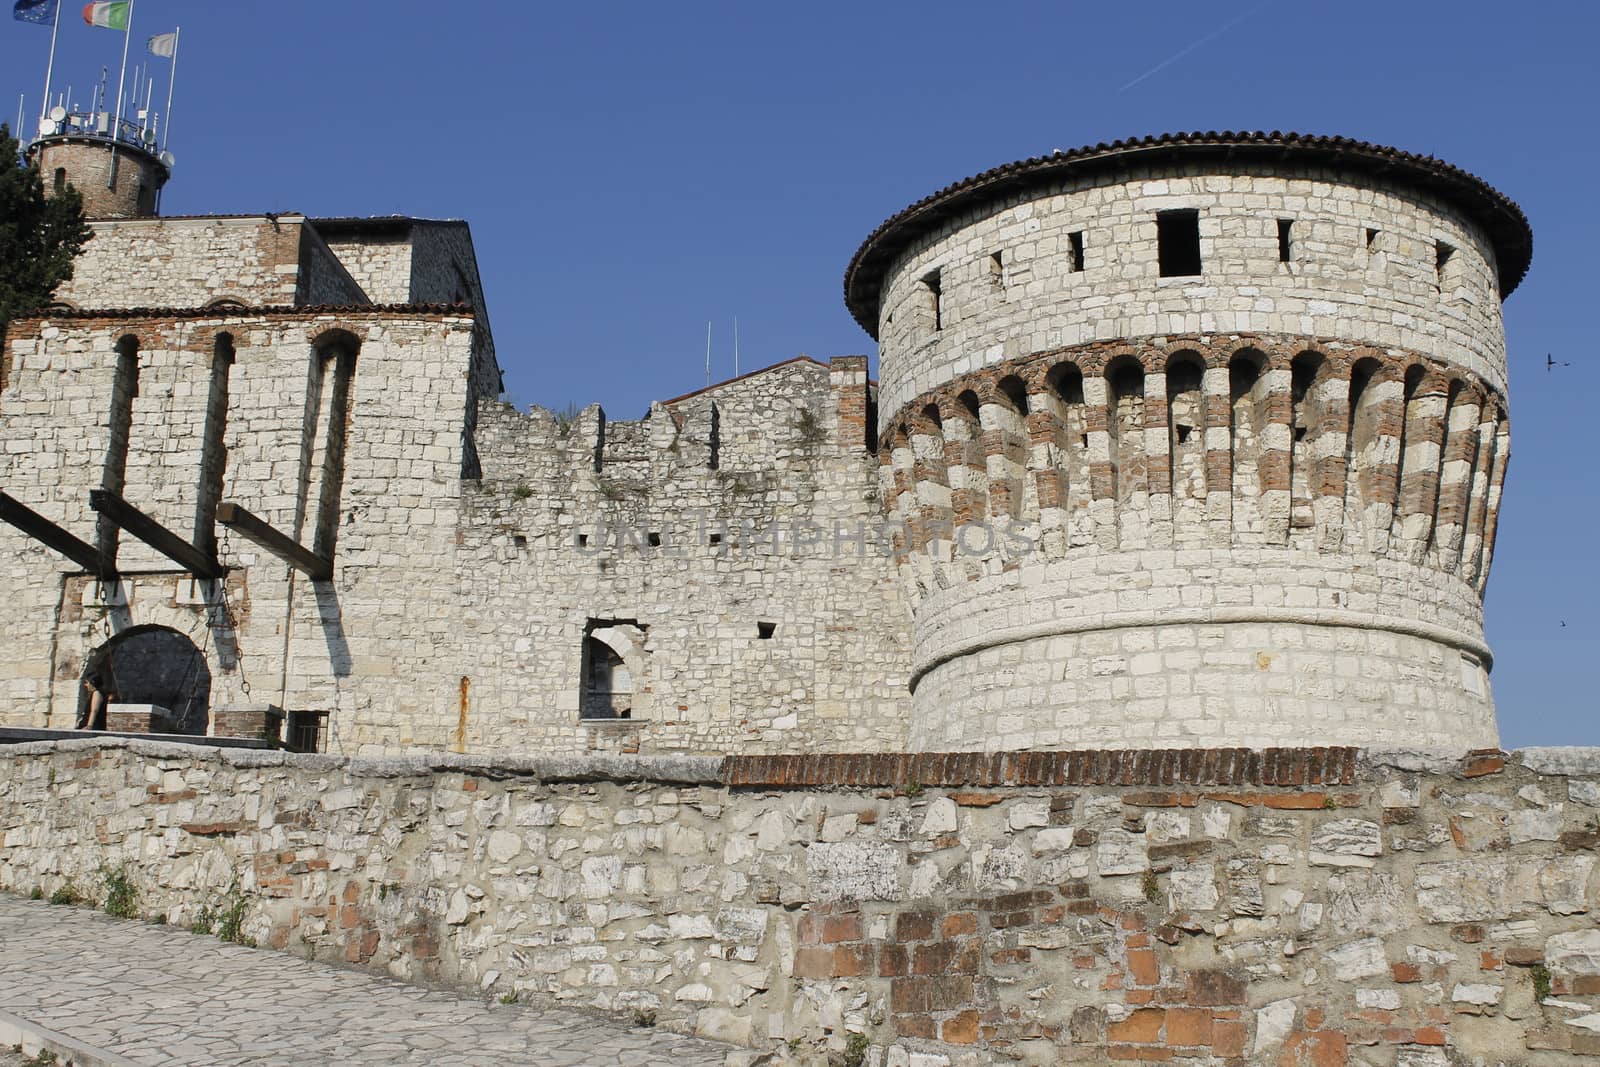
(1197, 441)
(119, 177)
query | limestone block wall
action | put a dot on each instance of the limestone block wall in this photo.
(245, 407)
(188, 262)
(1237, 483)
(734, 532)
(1364, 269)
(1282, 907)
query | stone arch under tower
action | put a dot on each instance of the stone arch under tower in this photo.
(154, 665)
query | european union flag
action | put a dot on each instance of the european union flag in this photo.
(42, 12)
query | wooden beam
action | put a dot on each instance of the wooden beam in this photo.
(317, 568)
(154, 534)
(53, 537)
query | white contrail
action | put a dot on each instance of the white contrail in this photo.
(1207, 39)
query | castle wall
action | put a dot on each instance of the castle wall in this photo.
(160, 263)
(323, 279)
(557, 540)
(1339, 286)
(372, 647)
(379, 262)
(1297, 906)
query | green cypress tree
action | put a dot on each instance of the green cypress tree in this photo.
(39, 236)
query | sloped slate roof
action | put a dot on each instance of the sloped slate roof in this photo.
(1499, 216)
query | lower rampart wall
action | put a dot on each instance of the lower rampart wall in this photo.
(1313, 906)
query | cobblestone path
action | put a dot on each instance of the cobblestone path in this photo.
(145, 994)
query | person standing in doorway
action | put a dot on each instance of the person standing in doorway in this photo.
(101, 687)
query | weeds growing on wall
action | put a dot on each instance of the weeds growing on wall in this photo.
(855, 1051)
(809, 427)
(566, 419)
(67, 894)
(226, 920)
(122, 896)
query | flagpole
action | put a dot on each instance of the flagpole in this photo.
(172, 77)
(50, 67)
(122, 77)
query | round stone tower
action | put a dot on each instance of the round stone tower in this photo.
(118, 180)
(1197, 441)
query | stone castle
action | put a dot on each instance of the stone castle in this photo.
(1178, 443)
(1091, 688)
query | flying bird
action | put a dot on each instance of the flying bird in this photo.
(1551, 363)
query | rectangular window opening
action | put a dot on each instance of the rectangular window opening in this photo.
(654, 539)
(997, 270)
(1372, 240)
(931, 281)
(1285, 245)
(1441, 261)
(305, 731)
(765, 630)
(716, 539)
(1075, 240)
(1178, 243)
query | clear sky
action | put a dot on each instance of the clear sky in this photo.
(632, 170)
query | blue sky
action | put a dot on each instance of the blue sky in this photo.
(633, 170)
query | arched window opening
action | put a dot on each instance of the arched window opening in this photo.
(1305, 424)
(930, 414)
(328, 397)
(213, 454)
(114, 472)
(970, 404)
(1186, 405)
(1247, 419)
(151, 665)
(1126, 425)
(1015, 393)
(1362, 449)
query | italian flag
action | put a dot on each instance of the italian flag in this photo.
(113, 16)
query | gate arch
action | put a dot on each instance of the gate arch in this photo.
(154, 665)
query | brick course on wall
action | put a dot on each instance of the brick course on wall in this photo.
(1201, 907)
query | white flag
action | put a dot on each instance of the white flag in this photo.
(164, 44)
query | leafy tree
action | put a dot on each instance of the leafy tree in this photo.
(39, 237)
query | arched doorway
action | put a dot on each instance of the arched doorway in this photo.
(154, 665)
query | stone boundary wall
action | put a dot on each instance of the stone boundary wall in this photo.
(1288, 907)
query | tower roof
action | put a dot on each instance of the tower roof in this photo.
(1500, 217)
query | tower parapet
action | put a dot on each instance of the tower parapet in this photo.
(1197, 441)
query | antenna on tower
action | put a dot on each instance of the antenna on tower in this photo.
(736, 346)
(708, 353)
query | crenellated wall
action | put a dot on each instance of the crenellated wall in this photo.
(734, 537)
